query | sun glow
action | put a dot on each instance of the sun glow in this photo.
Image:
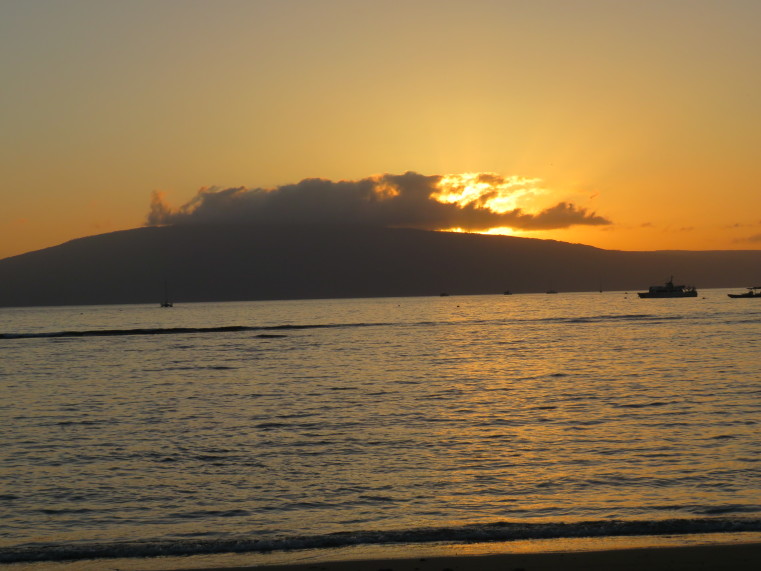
(488, 190)
(501, 231)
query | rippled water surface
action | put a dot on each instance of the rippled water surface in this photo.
(142, 424)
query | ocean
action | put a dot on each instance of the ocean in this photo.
(138, 432)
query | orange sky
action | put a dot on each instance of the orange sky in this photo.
(644, 113)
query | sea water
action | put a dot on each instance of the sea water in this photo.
(137, 431)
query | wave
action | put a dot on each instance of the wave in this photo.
(477, 533)
(273, 331)
(642, 318)
(632, 317)
(181, 330)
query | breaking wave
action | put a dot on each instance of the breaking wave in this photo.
(177, 330)
(478, 533)
(264, 329)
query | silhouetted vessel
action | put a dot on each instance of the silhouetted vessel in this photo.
(670, 290)
(752, 292)
(166, 302)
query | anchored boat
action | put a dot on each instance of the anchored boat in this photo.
(669, 290)
(752, 292)
(166, 302)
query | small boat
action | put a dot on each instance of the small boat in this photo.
(551, 291)
(166, 302)
(669, 290)
(507, 292)
(752, 292)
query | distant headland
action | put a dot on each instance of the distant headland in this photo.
(207, 262)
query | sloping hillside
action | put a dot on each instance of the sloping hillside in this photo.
(221, 263)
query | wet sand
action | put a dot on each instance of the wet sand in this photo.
(743, 556)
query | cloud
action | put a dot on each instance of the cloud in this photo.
(473, 202)
(753, 239)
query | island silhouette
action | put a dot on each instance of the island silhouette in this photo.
(215, 262)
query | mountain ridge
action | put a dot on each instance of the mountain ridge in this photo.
(243, 262)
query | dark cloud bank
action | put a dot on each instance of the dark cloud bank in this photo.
(387, 200)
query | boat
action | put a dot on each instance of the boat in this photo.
(752, 292)
(669, 290)
(166, 302)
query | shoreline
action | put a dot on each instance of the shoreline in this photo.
(735, 557)
(735, 551)
(731, 551)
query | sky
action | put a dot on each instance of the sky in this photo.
(631, 125)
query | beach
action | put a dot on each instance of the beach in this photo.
(696, 557)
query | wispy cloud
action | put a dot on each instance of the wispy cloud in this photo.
(473, 202)
(755, 238)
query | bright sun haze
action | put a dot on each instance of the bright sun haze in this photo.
(643, 114)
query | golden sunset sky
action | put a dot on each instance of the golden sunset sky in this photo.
(645, 114)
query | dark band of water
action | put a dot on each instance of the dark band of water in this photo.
(500, 531)
(244, 328)
(174, 331)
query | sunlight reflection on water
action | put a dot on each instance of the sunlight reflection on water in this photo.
(405, 412)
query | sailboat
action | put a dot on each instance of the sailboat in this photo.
(166, 302)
